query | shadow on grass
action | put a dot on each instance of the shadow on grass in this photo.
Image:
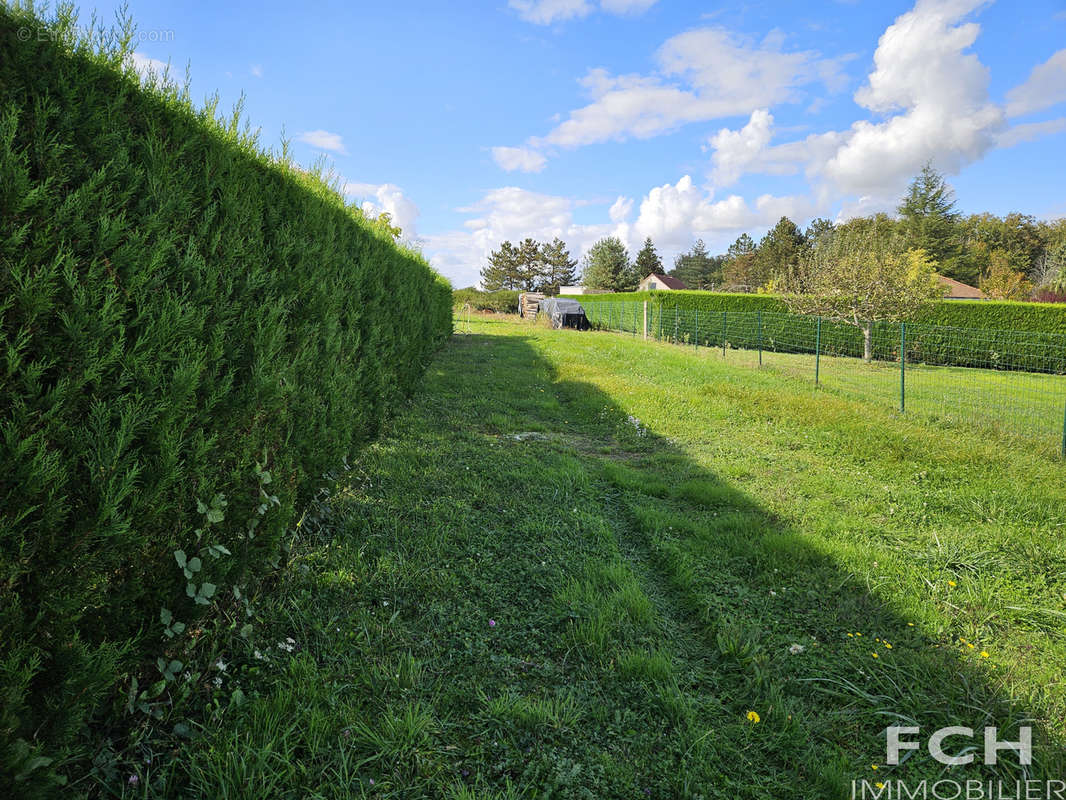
(586, 611)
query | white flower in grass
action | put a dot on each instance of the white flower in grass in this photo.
(796, 649)
(220, 665)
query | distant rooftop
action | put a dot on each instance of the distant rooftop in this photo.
(960, 291)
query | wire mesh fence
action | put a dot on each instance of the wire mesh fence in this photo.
(1012, 382)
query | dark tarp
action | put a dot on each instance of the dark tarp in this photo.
(564, 313)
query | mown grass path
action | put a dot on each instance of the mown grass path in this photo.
(578, 561)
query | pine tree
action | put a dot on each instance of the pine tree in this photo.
(558, 267)
(607, 266)
(502, 271)
(779, 253)
(530, 264)
(698, 268)
(737, 272)
(929, 220)
(648, 261)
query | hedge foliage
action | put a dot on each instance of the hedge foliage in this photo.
(192, 333)
(504, 301)
(981, 333)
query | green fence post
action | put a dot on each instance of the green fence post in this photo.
(760, 336)
(1064, 432)
(723, 332)
(817, 348)
(902, 367)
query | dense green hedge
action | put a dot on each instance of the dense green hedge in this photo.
(192, 333)
(1025, 336)
(503, 301)
(988, 314)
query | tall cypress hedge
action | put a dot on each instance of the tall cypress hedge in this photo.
(192, 333)
(967, 333)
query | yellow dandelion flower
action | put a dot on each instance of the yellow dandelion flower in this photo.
(753, 717)
(858, 634)
(962, 640)
(879, 785)
(910, 624)
(984, 654)
(877, 639)
(851, 635)
(875, 655)
(873, 766)
(888, 645)
(952, 583)
(970, 645)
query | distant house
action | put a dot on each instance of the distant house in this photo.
(957, 290)
(657, 281)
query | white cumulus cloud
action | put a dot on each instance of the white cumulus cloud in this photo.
(375, 198)
(323, 140)
(703, 74)
(1045, 87)
(522, 159)
(146, 65)
(545, 12)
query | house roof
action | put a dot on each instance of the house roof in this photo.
(960, 291)
(666, 280)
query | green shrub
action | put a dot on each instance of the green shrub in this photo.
(980, 333)
(503, 301)
(193, 332)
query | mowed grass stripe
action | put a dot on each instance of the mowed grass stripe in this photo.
(592, 609)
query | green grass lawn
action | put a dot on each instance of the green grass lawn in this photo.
(578, 562)
(1027, 406)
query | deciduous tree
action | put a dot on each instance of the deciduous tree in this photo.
(863, 273)
(1002, 281)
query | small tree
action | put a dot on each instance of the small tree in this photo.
(558, 267)
(502, 270)
(863, 273)
(530, 264)
(1002, 281)
(698, 268)
(929, 220)
(739, 267)
(648, 260)
(779, 252)
(607, 266)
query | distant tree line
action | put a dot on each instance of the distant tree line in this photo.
(1015, 257)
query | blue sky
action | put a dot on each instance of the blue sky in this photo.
(475, 122)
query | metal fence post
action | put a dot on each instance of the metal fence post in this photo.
(645, 327)
(676, 315)
(760, 336)
(1064, 432)
(817, 348)
(902, 367)
(723, 332)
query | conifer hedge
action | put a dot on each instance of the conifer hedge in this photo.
(192, 333)
(968, 333)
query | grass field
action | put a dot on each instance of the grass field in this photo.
(580, 565)
(1027, 406)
